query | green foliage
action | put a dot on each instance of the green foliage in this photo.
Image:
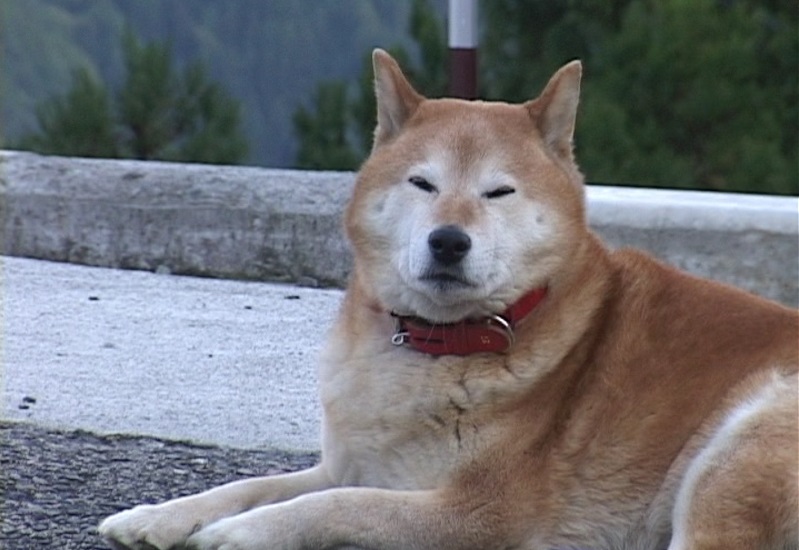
(157, 114)
(77, 124)
(429, 37)
(678, 93)
(323, 135)
(30, 31)
(337, 133)
(268, 55)
(148, 99)
(207, 120)
(705, 110)
(700, 93)
(697, 93)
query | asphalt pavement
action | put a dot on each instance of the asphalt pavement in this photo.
(207, 361)
(57, 486)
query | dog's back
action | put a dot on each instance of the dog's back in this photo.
(713, 371)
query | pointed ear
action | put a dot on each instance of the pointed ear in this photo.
(555, 110)
(396, 98)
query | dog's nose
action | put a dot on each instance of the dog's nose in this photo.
(449, 244)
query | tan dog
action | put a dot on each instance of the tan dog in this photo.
(497, 379)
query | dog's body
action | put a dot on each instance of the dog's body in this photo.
(637, 407)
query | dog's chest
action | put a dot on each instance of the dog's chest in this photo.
(400, 419)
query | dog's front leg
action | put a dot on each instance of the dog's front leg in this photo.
(168, 525)
(374, 519)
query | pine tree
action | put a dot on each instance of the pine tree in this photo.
(700, 94)
(158, 113)
(337, 133)
(324, 143)
(78, 124)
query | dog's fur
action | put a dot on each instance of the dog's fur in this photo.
(639, 407)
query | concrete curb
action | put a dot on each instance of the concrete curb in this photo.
(231, 222)
(284, 225)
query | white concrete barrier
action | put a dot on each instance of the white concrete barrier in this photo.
(284, 225)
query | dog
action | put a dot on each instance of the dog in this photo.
(497, 378)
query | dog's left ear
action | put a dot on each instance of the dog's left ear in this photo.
(396, 98)
(555, 110)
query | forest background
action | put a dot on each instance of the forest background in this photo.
(678, 93)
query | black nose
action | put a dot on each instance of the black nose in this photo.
(449, 244)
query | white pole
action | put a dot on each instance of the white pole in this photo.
(463, 48)
(462, 23)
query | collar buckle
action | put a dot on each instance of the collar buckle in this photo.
(504, 327)
(400, 337)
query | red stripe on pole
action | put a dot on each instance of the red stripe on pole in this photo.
(463, 73)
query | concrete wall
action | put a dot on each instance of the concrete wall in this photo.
(284, 225)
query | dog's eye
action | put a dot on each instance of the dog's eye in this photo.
(499, 192)
(423, 184)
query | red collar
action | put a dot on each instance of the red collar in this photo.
(492, 334)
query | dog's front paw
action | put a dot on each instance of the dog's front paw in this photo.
(147, 527)
(265, 528)
(226, 534)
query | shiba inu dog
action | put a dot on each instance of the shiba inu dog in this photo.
(498, 379)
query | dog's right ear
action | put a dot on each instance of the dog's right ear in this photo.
(396, 98)
(555, 110)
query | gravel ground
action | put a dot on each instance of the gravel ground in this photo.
(56, 486)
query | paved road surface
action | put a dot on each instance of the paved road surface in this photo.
(55, 487)
(212, 361)
(226, 366)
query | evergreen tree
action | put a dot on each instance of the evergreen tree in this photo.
(78, 124)
(323, 134)
(337, 133)
(208, 121)
(157, 114)
(147, 101)
(700, 94)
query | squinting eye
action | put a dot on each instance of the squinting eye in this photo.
(499, 192)
(422, 184)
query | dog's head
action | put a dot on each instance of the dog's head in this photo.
(464, 206)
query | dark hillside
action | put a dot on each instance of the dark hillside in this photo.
(269, 55)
